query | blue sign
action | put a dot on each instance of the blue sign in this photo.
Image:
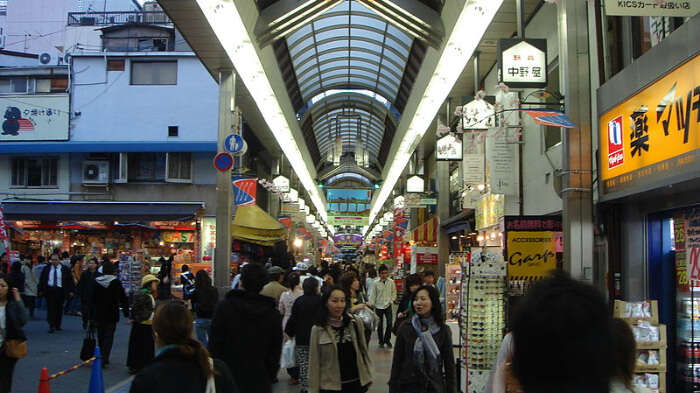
(223, 161)
(234, 143)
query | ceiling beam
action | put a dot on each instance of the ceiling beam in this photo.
(411, 16)
(285, 16)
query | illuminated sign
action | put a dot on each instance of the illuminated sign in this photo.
(522, 63)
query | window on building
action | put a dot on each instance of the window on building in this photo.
(173, 130)
(14, 85)
(43, 86)
(552, 135)
(115, 65)
(154, 73)
(649, 31)
(146, 167)
(179, 167)
(34, 172)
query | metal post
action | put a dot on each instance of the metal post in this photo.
(224, 188)
(577, 198)
(520, 12)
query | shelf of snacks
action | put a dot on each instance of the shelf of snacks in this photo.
(656, 382)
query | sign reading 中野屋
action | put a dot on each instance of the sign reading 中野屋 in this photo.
(653, 138)
(679, 8)
(522, 63)
(348, 206)
(234, 143)
(34, 118)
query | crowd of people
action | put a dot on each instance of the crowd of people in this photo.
(561, 338)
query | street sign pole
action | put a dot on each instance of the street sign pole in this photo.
(224, 188)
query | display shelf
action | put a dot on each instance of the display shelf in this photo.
(660, 356)
(453, 285)
(654, 381)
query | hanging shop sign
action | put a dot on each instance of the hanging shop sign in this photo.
(208, 246)
(449, 148)
(413, 201)
(245, 191)
(425, 255)
(415, 183)
(678, 8)
(348, 206)
(532, 223)
(654, 136)
(692, 228)
(34, 118)
(473, 158)
(530, 255)
(478, 114)
(501, 165)
(489, 210)
(522, 63)
(292, 196)
(282, 183)
(347, 240)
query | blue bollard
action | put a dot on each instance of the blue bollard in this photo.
(97, 382)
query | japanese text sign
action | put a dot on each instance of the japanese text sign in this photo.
(682, 8)
(530, 254)
(522, 63)
(34, 118)
(653, 134)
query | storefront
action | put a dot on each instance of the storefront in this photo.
(649, 171)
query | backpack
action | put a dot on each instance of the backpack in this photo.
(187, 280)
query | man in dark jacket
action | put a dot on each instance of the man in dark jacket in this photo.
(108, 296)
(56, 282)
(86, 291)
(246, 333)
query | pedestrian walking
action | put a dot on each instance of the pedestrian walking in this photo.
(165, 275)
(288, 298)
(303, 315)
(86, 292)
(371, 278)
(357, 299)
(382, 297)
(246, 332)
(182, 363)
(41, 263)
(141, 342)
(73, 304)
(338, 356)
(56, 283)
(109, 295)
(187, 282)
(16, 277)
(423, 358)
(274, 288)
(204, 299)
(405, 309)
(13, 316)
(30, 285)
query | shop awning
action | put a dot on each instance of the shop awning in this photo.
(252, 224)
(100, 211)
(105, 147)
(457, 226)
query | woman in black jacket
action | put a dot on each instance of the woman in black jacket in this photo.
(204, 299)
(423, 358)
(13, 316)
(304, 314)
(108, 296)
(182, 363)
(86, 291)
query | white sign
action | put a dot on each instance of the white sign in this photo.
(291, 196)
(681, 8)
(522, 63)
(449, 148)
(282, 183)
(34, 118)
(415, 183)
(500, 159)
(478, 115)
(473, 158)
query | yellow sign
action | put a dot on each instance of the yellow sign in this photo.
(530, 254)
(653, 134)
(489, 210)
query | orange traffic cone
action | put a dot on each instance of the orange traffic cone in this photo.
(44, 381)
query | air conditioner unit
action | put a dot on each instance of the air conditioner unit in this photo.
(95, 172)
(44, 59)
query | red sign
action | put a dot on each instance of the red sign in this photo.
(223, 162)
(427, 259)
(693, 263)
(616, 150)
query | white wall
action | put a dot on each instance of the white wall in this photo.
(539, 196)
(113, 110)
(58, 193)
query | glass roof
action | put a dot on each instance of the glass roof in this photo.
(349, 65)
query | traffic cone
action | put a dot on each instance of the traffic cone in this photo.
(44, 381)
(97, 382)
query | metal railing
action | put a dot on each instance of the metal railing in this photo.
(117, 18)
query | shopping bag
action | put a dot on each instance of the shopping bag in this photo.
(88, 349)
(287, 360)
(368, 317)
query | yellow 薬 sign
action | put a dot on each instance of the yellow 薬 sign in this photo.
(530, 254)
(654, 133)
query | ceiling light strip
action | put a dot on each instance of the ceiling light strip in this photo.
(475, 18)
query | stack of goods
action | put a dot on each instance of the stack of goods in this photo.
(453, 284)
(689, 339)
(651, 339)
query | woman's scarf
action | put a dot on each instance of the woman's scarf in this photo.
(426, 353)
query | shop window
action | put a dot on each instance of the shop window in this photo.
(43, 86)
(115, 65)
(146, 167)
(552, 135)
(649, 31)
(154, 73)
(34, 172)
(179, 167)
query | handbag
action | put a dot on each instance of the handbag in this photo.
(368, 317)
(88, 349)
(287, 360)
(15, 348)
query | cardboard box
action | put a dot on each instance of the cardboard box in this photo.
(662, 343)
(661, 367)
(620, 308)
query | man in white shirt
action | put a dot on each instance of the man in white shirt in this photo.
(381, 297)
(55, 284)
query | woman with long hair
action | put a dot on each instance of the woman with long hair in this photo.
(141, 342)
(204, 299)
(357, 300)
(165, 275)
(338, 356)
(13, 316)
(182, 363)
(286, 302)
(423, 358)
(303, 315)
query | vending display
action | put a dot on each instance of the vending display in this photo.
(453, 285)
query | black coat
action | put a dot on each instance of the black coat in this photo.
(304, 314)
(204, 301)
(86, 286)
(174, 372)
(403, 367)
(109, 295)
(246, 333)
(15, 318)
(66, 279)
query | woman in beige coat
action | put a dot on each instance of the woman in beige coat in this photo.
(338, 356)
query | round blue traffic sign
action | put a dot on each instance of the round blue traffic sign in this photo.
(234, 143)
(223, 162)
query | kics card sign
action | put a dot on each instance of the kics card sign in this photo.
(653, 136)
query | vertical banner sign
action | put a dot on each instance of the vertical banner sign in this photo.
(244, 191)
(530, 254)
(473, 158)
(692, 229)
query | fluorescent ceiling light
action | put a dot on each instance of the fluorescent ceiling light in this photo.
(472, 22)
(227, 24)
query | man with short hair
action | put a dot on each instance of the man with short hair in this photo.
(246, 332)
(56, 282)
(382, 296)
(274, 288)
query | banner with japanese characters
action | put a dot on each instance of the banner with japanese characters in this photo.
(680, 8)
(653, 138)
(522, 62)
(34, 118)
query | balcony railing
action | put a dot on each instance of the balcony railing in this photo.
(117, 18)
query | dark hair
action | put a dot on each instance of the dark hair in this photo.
(313, 270)
(275, 276)
(254, 277)
(65, 255)
(40, 259)
(3, 276)
(322, 318)
(310, 286)
(173, 324)
(95, 260)
(412, 280)
(383, 268)
(427, 273)
(185, 268)
(562, 338)
(16, 267)
(293, 280)
(346, 281)
(107, 268)
(372, 272)
(324, 265)
(202, 280)
(436, 307)
(625, 351)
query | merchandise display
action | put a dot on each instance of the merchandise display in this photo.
(453, 284)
